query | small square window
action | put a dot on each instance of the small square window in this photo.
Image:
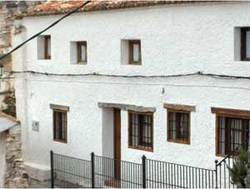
(131, 52)
(178, 126)
(79, 52)
(44, 47)
(135, 52)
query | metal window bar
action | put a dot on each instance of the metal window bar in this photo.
(141, 130)
(233, 134)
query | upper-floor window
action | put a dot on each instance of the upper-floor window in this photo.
(245, 44)
(82, 52)
(141, 130)
(135, 52)
(131, 52)
(78, 52)
(44, 47)
(60, 123)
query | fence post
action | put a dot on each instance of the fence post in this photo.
(52, 168)
(216, 174)
(144, 171)
(92, 170)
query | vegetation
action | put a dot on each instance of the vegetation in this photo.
(239, 171)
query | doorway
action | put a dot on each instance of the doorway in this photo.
(117, 143)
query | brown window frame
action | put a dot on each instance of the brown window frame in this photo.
(131, 52)
(243, 43)
(178, 140)
(63, 110)
(142, 145)
(47, 54)
(228, 114)
(79, 44)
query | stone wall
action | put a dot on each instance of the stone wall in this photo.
(8, 9)
(2, 158)
(15, 175)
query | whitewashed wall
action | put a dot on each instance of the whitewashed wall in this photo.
(175, 39)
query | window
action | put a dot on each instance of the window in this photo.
(233, 133)
(82, 52)
(232, 130)
(60, 123)
(134, 52)
(44, 47)
(141, 131)
(178, 122)
(178, 126)
(78, 52)
(131, 52)
(245, 44)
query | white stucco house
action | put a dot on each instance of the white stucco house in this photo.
(165, 79)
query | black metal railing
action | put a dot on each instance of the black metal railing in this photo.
(171, 175)
(222, 172)
(69, 172)
(116, 173)
(99, 172)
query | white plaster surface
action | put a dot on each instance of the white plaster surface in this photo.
(175, 40)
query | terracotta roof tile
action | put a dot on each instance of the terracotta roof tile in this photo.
(59, 7)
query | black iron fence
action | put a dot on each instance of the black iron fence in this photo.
(69, 172)
(99, 172)
(171, 175)
(223, 174)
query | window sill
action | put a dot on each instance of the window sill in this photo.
(79, 63)
(242, 61)
(60, 141)
(142, 148)
(220, 155)
(179, 142)
(131, 64)
(43, 61)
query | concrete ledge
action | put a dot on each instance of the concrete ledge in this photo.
(37, 171)
(126, 107)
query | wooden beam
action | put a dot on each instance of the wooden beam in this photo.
(231, 112)
(180, 107)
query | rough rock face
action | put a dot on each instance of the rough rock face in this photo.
(2, 158)
(8, 10)
(15, 175)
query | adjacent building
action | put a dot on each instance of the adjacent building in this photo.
(11, 163)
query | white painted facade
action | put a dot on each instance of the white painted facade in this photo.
(175, 39)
